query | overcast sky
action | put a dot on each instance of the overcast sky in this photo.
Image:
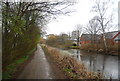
(81, 16)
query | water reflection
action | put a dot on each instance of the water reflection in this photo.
(106, 64)
(77, 55)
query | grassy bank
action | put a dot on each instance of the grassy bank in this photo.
(13, 67)
(70, 66)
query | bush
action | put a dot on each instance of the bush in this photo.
(24, 44)
(113, 48)
(95, 47)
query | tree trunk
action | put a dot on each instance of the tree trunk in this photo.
(104, 38)
(78, 39)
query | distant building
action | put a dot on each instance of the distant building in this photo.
(88, 38)
(112, 38)
(85, 39)
(65, 36)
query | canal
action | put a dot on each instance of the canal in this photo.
(106, 64)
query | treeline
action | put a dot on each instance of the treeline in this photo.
(20, 31)
(60, 41)
(22, 26)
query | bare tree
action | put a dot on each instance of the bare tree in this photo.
(93, 28)
(78, 30)
(69, 35)
(101, 8)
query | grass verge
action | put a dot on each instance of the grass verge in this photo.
(13, 67)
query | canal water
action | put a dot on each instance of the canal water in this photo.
(106, 64)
